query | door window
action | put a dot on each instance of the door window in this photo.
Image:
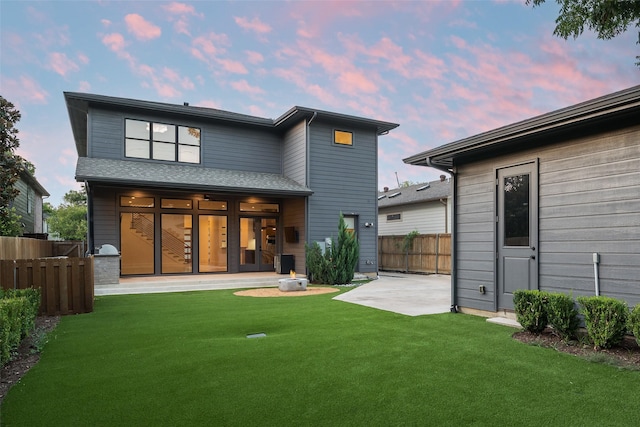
(516, 210)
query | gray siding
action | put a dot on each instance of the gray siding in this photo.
(426, 218)
(344, 179)
(20, 204)
(105, 218)
(222, 146)
(293, 216)
(294, 164)
(589, 201)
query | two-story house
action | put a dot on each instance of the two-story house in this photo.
(185, 189)
(28, 204)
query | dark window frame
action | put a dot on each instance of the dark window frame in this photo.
(176, 141)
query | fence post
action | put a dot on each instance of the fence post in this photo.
(437, 250)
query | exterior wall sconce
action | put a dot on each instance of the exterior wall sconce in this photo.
(368, 224)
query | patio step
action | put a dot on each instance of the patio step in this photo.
(504, 321)
(198, 283)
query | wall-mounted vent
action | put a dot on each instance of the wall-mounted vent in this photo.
(395, 195)
(424, 187)
(382, 197)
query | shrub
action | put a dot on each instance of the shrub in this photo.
(634, 322)
(562, 315)
(605, 319)
(531, 309)
(12, 310)
(337, 265)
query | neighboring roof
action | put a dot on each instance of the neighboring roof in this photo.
(615, 108)
(31, 181)
(179, 176)
(417, 193)
(78, 107)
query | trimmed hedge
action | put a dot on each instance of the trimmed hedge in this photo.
(634, 322)
(605, 319)
(563, 316)
(530, 308)
(18, 312)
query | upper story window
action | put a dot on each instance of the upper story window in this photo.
(341, 137)
(161, 141)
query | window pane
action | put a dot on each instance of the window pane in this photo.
(164, 151)
(516, 210)
(247, 241)
(176, 243)
(213, 243)
(213, 205)
(136, 202)
(188, 154)
(136, 148)
(136, 243)
(259, 207)
(175, 204)
(187, 135)
(136, 129)
(343, 138)
(163, 132)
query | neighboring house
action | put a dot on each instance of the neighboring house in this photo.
(425, 208)
(183, 189)
(28, 203)
(536, 201)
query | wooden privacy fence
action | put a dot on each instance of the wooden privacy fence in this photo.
(429, 253)
(29, 248)
(66, 283)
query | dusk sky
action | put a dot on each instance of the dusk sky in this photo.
(443, 70)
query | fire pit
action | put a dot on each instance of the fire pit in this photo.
(292, 283)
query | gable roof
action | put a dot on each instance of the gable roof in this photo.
(416, 193)
(78, 107)
(180, 176)
(32, 182)
(616, 109)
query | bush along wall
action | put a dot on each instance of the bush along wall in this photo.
(606, 319)
(18, 312)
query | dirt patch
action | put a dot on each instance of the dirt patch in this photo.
(275, 292)
(626, 355)
(27, 354)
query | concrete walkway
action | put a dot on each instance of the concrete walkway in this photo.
(409, 294)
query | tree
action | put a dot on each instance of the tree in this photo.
(606, 18)
(10, 167)
(70, 218)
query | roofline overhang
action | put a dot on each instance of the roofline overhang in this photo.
(192, 187)
(33, 182)
(618, 104)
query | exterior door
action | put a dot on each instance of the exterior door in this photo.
(257, 243)
(517, 231)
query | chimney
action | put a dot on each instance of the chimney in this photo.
(386, 189)
(442, 178)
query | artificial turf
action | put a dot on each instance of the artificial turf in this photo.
(185, 359)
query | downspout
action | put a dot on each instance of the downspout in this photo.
(307, 184)
(90, 248)
(454, 228)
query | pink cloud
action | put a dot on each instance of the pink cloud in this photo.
(141, 28)
(84, 86)
(353, 82)
(24, 89)
(211, 44)
(114, 41)
(458, 42)
(256, 111)
(254, 57)
(174, 77)
(244, 87)
(179, 8)
(254, 25)
(61, 64)
(232, 66)
(209, 104)
(105, 23)
(84, 59)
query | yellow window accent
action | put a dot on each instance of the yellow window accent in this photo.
(343, 138)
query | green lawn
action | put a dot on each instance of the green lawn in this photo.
(184, 359)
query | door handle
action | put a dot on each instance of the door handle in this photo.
(533, 257)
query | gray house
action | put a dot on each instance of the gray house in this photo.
(28, 204)
(183, 189)
(550, 203)
(424, 207)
